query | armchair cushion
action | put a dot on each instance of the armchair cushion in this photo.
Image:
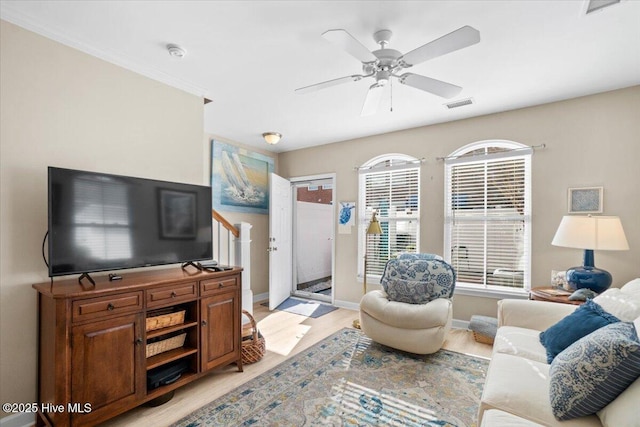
(434, 314)
(425, 256)
(418, 281)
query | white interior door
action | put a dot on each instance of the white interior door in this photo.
(280, 238)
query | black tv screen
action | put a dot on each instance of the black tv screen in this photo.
(100, 222)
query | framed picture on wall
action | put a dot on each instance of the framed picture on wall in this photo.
(585, 200)
(239, 179)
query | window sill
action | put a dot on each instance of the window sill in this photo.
(474, 291)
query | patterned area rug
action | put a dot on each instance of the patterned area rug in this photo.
(348, 380)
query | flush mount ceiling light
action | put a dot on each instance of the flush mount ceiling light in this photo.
(272, 138)
(176, 51)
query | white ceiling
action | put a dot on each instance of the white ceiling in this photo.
(249, 56)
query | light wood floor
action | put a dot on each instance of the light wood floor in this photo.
(286, 334)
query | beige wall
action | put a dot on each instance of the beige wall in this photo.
(259, 223)
(61, 107)
(591, 141)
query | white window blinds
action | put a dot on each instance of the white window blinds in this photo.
(487, 216)
(391, 188)
(101, 221)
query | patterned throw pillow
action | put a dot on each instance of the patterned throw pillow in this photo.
(593, 371)
(418, 281)
(586, 319)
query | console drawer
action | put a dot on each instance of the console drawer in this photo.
(172, 294)
(92, 308)
(222, 284)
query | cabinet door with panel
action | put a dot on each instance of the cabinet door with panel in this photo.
(220, 330)
(107, 366)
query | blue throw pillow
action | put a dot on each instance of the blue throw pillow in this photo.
(586, 319)
(593, 371)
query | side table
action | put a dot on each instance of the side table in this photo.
(552, 295)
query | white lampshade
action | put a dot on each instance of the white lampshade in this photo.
(591, 232)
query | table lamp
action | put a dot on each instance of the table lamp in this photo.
(374, 228)
(590, 233)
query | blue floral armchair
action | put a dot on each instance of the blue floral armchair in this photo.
(413, 311)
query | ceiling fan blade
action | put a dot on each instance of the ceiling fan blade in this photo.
(458, 39)
(371, 102)
(437, 87)
(346, 41)
(328, 83)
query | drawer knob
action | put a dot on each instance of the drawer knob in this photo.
(204, 323)
(110, 307)
(138, 341)
(220, 285)
(173, 294)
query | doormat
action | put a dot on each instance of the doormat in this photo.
(303, 307)
(349, 380)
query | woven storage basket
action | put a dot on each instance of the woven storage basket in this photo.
(253, 344)
(165, 320)
(483, 339)
(165, 345)
(484, 328)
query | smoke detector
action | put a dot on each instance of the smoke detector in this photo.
(176, 51)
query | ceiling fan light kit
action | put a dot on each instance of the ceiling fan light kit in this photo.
(384, 63)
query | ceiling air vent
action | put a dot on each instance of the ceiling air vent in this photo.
(596, 5)
(460, 103)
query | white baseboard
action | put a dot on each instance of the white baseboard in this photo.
(18, 420)
(460, 324)
(261, 297)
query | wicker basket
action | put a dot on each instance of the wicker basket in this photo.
(483, 339)
(165, 345)
(253, 344)
(165, 320)
(484, 328)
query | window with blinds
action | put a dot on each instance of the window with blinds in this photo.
(488, 214)
(390, 186)
(101, 220)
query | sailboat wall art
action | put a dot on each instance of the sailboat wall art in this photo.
(239, 179)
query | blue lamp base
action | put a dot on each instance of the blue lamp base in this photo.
(588, 276)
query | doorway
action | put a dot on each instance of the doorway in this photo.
(313, 237)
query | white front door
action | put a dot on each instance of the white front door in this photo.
(280, 238)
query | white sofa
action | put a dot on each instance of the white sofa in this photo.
(516, 390)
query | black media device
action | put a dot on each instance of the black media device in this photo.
(100, 222)
(166, 374)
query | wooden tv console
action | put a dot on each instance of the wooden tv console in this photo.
(93, 340)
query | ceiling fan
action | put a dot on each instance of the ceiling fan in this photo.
(384, 63)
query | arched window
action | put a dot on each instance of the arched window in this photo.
(488, 215)
(390, 186)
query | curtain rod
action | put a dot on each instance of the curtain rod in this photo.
(406, 162)
(531, 147)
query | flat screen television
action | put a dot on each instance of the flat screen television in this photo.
(100, 222)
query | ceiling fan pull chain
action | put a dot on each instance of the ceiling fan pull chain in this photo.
(391, 95)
